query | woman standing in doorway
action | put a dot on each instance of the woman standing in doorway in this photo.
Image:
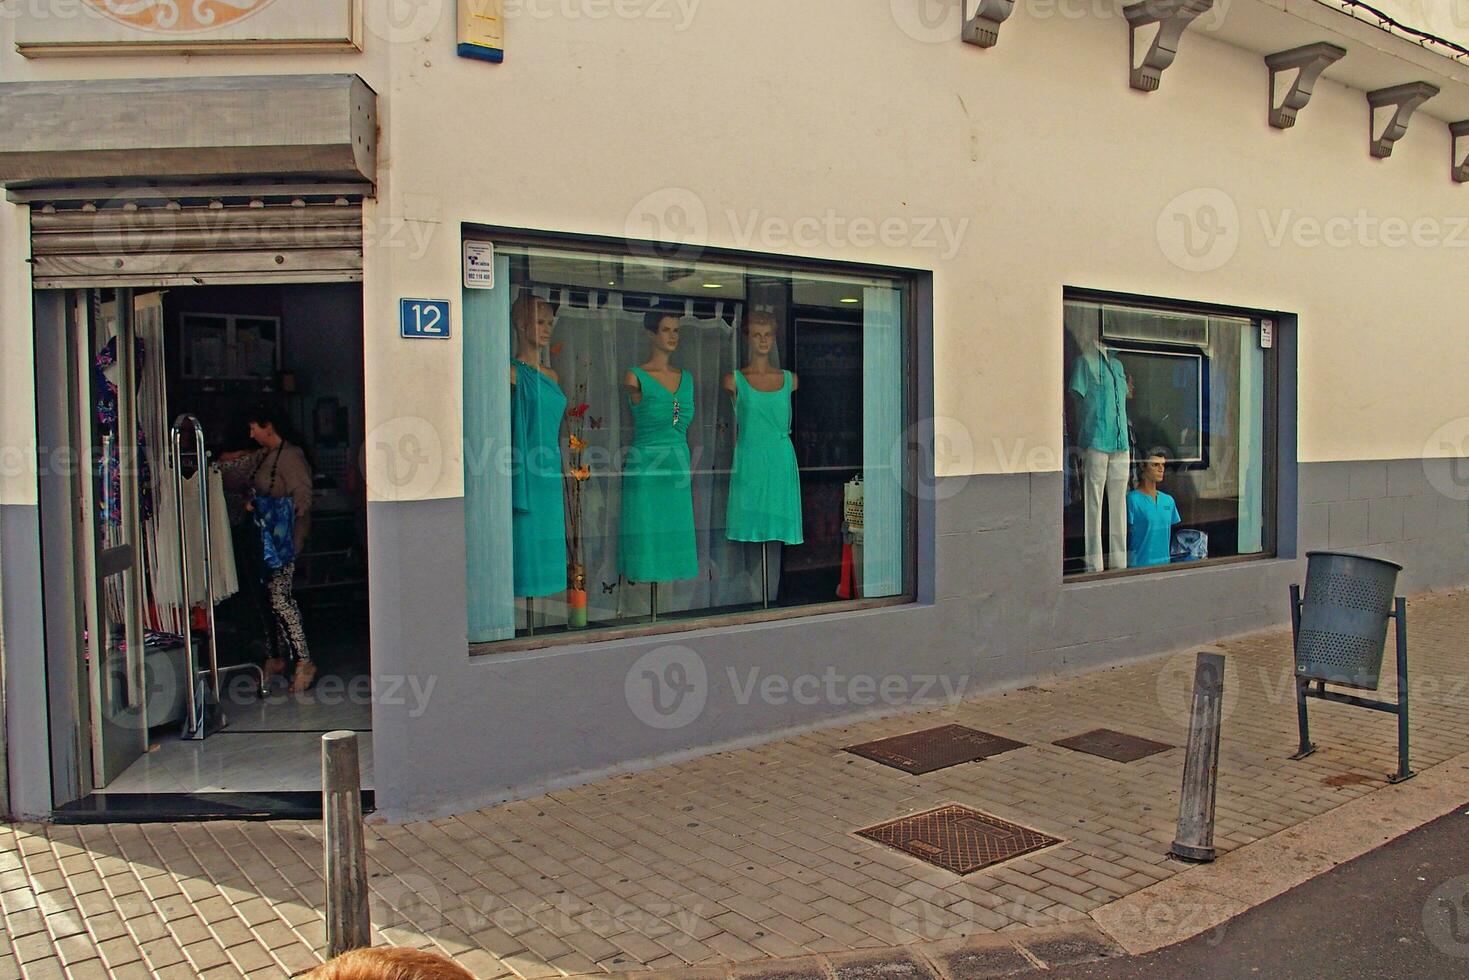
(279, 468)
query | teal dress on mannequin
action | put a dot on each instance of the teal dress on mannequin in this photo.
(657, 538)
(765, 487)
(537, 491)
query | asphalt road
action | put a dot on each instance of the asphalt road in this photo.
(1397, 912)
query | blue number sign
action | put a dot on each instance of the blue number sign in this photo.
(424, 318)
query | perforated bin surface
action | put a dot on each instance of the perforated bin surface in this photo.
(1344, 618)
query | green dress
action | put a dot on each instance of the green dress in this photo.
(657, 538)
(765, 487)
(537, 491)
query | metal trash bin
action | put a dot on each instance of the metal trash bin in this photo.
(1344, 618)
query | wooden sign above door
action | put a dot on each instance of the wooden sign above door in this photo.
(187, 26)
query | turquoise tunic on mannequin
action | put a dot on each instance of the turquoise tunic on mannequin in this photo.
(537, 491)
(657, 542)
(765, 486)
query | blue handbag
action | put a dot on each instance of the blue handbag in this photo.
(276, 518)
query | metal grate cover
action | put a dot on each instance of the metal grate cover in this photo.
(1117, 746)
(917, 753)
(957, 838)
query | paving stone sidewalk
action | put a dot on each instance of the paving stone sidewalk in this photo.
(739, 856)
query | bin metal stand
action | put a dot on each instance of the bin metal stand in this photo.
(1307, 687)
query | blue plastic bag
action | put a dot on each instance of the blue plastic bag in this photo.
(276, 518)
(1189, 544)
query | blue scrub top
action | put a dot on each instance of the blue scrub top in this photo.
(1100, 381)
(1149, 528)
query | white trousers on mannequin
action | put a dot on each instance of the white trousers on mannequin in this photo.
(1105, 473)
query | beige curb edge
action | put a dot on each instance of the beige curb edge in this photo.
(1205, 897)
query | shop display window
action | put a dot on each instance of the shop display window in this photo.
(652, 444)
(1169, 427)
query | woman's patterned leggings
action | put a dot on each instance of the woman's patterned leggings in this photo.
(287, 613)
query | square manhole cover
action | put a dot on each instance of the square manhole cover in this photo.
(1117, 746)
(957, 838)
(934, 748)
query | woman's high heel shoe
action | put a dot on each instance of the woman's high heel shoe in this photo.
(305, 676)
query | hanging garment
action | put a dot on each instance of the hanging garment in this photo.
(765, 485)
(160, 549)
(1100, 383)
(537, 485)
(657, 541)
(221, 544)
(106, 395)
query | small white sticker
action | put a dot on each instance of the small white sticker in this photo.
(479, 265)
(1267, 334)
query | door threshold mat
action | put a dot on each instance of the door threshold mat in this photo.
(957, 838)
(917, 753)
(174, 807)
(1114, 745)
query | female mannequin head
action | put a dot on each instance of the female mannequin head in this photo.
(663, 329)
(760, 334)
(532, 319)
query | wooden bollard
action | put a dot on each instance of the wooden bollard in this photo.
(348, 922)
(1195, 841)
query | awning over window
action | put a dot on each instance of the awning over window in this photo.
(172, 130)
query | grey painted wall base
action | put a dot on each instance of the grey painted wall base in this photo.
(453, 732)
(505, 726)
(27, 747)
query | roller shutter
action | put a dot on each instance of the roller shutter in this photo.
(135, 242)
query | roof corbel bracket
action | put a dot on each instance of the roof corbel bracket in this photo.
(1308, 62)
(1460, 132)
(1402, 101)
(983, 29)
(1170, 18)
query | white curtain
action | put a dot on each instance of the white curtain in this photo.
(160, 531)
(486, 438)
(594, 345)
(883, 452)
(1251, 441)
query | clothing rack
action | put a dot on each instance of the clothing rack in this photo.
(194, 726)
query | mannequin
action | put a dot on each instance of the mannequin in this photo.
(1151, 515)
(1099, 388)
(765, 485)
(657, 538)
(537, 490)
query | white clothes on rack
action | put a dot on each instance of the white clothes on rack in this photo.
(221, 554)
(221, 543)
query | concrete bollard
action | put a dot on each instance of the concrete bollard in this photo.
(1195, 841)
(348, 922)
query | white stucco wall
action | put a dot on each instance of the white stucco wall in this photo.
(1056, 172)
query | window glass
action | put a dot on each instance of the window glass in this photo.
(1165, 432)
(652, 441)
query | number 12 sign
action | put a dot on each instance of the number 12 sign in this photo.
(422, 319)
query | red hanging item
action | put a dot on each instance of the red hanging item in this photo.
(844, 587)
